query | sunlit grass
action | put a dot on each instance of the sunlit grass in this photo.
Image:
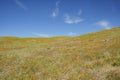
(94, 56)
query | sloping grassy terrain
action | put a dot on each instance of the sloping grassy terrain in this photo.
(94, 56)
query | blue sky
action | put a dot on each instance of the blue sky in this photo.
(47, 18)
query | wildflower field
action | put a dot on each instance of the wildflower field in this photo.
(94, 56)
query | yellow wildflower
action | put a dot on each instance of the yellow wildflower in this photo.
(81, 76)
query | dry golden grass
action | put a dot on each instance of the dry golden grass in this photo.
(94, 56)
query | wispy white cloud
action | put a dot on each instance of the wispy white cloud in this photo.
(72, 20)
(105, 24)
(79, 12)
(72, 34)
(20, 4)
(40, 35)
(56, 11)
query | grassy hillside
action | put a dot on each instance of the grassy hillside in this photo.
(94, 56)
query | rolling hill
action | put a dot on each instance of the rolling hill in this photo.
(94, 56)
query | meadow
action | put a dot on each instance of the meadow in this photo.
(94, 56)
